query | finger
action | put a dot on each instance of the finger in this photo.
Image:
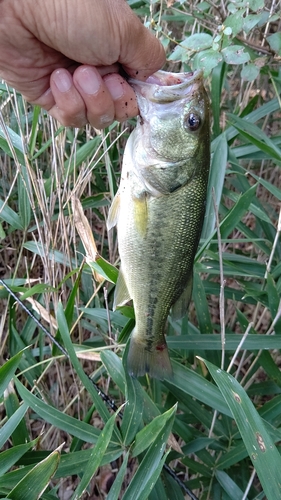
(123, 96)
(68, 106)
(96, 96)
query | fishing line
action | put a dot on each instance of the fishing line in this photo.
(109, 402)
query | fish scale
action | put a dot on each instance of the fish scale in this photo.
(159, 210)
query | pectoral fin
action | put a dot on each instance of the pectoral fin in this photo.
(121, 295)
(113, 213)
(179, 309)
(141, 214)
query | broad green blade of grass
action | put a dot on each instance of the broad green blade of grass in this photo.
(115, 368)
(201, 305)
(8, 458)
(36, 481)
(150, 467)
(82, 153)
(132, 417)
(96, 457)
(7, 371)
(11, 143)
(256, 115)
(260, 446)
(24, 200)
(237, 211)
(9, 427)
(216, 180)
(213, 342)
(64, 331)
(10, 216)
(55, 417)
(146, 436)
(197, 386)
(229, 486)
(11, 403)
(69, 311)
(116, 487)
(107, 270)
(255, 135)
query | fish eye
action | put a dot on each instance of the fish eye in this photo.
(192, 122)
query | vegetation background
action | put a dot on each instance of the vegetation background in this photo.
(214, 432)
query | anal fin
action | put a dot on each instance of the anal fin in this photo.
(179, 309)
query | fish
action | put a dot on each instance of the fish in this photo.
(159, 211)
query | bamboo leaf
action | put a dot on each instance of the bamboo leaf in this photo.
(260, 446)
(96, 457)
(36, 481)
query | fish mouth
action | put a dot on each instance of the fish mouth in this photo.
(165, 86)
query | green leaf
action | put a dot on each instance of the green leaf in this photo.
(7, 371)
(146, 436)
(237, 211)
(213, 342)
(199, 41)
(207, 60)
(250, 72)
(89, 148)
(96, 456)
(105, 269)
(68, 424)
(259, 444)
(235, 22)
(132, 417)
(133, 411)
(116, 487)
(235, 55)
(8, 458)
(256, 5)
(11, 402)
(11, 424)
(11, 143)
(24, 192)
(10, 216)
(255, 135)
(150, 467)
(275, 42)
(190, 382)
(230, 487)
(216, 180)
(36, 481)
(64, 331)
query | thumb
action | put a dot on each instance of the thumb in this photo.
(141, 54)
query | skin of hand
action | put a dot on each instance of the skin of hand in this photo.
(67, 55)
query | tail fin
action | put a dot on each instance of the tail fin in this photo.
(155, 362)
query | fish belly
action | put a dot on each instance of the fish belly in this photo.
(157, 255)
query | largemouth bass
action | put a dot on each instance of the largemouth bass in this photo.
(159, 210)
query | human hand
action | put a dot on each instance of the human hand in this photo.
(66, 56)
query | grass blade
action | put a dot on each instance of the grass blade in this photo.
(261, 448)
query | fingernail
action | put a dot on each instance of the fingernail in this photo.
(89, 81)
(115, 87)
(62, 80)
(106, 120)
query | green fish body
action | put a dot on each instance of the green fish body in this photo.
(159, 210)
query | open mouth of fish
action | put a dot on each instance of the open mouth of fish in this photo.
(164, 86)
